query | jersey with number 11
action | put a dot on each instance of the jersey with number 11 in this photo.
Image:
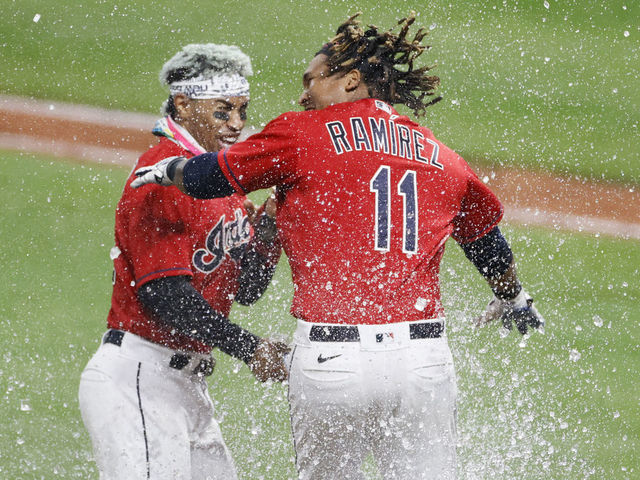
(367, 200)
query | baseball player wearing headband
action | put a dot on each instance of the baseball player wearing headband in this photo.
(371, 370)
(179, 263)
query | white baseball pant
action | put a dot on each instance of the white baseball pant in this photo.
(148, 420)
(388, 390)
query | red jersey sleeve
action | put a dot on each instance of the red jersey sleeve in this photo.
(160, 241)
(480, 211)
(249, 165)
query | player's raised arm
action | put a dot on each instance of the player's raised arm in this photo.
(199, 177)
(166, 172)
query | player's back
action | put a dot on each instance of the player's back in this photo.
(364, 224)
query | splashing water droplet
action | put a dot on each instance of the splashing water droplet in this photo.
(574, 355)
(114, 253)
(598, 321)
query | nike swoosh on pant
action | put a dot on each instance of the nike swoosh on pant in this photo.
(322, 359)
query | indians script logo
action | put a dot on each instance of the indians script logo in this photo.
(225, 238)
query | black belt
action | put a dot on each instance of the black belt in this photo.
(177, 361)
(349, 333)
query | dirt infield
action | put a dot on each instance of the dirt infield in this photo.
(113, 137)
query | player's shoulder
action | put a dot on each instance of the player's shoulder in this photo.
(312, 116)
(163, 149)
(291, 118)
(362, 107)
(446, 153)
(451, 163)
(284, 125)
(304, 117)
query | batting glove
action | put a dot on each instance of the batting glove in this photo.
(156, 173)
(519, 310)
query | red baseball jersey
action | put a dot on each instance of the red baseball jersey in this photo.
(367, 200)
(161, 232)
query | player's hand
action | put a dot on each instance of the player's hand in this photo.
(270, 204)
(252, 211)
(269, 207)
(519, 310)
(155, 173)
(268, 362)
(263, 219)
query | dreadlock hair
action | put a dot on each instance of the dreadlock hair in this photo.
(386, 61)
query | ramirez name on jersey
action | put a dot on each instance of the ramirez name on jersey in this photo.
(386, 137)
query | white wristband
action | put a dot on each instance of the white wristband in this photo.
(520, 301)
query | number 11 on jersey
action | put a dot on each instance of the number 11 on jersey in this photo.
(380, 185)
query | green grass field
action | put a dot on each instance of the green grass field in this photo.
(560, 406)
(542, 84)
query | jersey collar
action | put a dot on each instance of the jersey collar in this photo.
(167, 127)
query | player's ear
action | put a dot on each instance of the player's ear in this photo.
(352, 80)
(183, 105)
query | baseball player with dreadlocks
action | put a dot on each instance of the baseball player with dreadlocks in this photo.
(179, 263)
(371, 370)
